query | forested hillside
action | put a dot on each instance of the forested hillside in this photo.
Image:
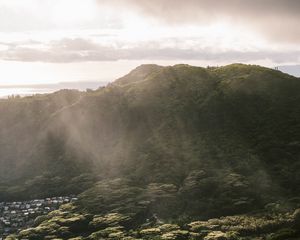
(182, 141)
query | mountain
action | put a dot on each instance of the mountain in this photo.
(290, 69)
(178, 142)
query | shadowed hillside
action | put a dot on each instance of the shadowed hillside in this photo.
(187, 140)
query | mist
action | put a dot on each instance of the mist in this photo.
(161, 119)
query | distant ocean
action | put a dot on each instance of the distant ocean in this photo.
(6, 91)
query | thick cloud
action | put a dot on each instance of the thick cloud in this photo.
(181, 30)
(80, 50)
(278, 20)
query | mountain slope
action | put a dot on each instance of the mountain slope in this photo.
(214, 141)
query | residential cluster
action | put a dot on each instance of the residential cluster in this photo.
(15, 216)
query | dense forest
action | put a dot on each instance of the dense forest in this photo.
(159, 152)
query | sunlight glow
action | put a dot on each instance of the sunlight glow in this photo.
(73, 12)
(35, 41)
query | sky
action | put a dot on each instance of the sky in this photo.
(54, 41)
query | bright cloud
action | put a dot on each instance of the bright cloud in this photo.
(64, 33)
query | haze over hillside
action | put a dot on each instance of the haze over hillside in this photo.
(186, 141)
(149, 120)
(180, 118)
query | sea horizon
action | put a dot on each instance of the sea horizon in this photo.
(29, 90)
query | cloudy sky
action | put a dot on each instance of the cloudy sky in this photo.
(49, 41)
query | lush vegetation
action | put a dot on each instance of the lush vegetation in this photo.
(172, 145)
(70, 223)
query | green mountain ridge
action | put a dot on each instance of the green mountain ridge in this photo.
(237, 102)
(179, 142)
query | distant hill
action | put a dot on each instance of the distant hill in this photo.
(214, 141)
(291, 69)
